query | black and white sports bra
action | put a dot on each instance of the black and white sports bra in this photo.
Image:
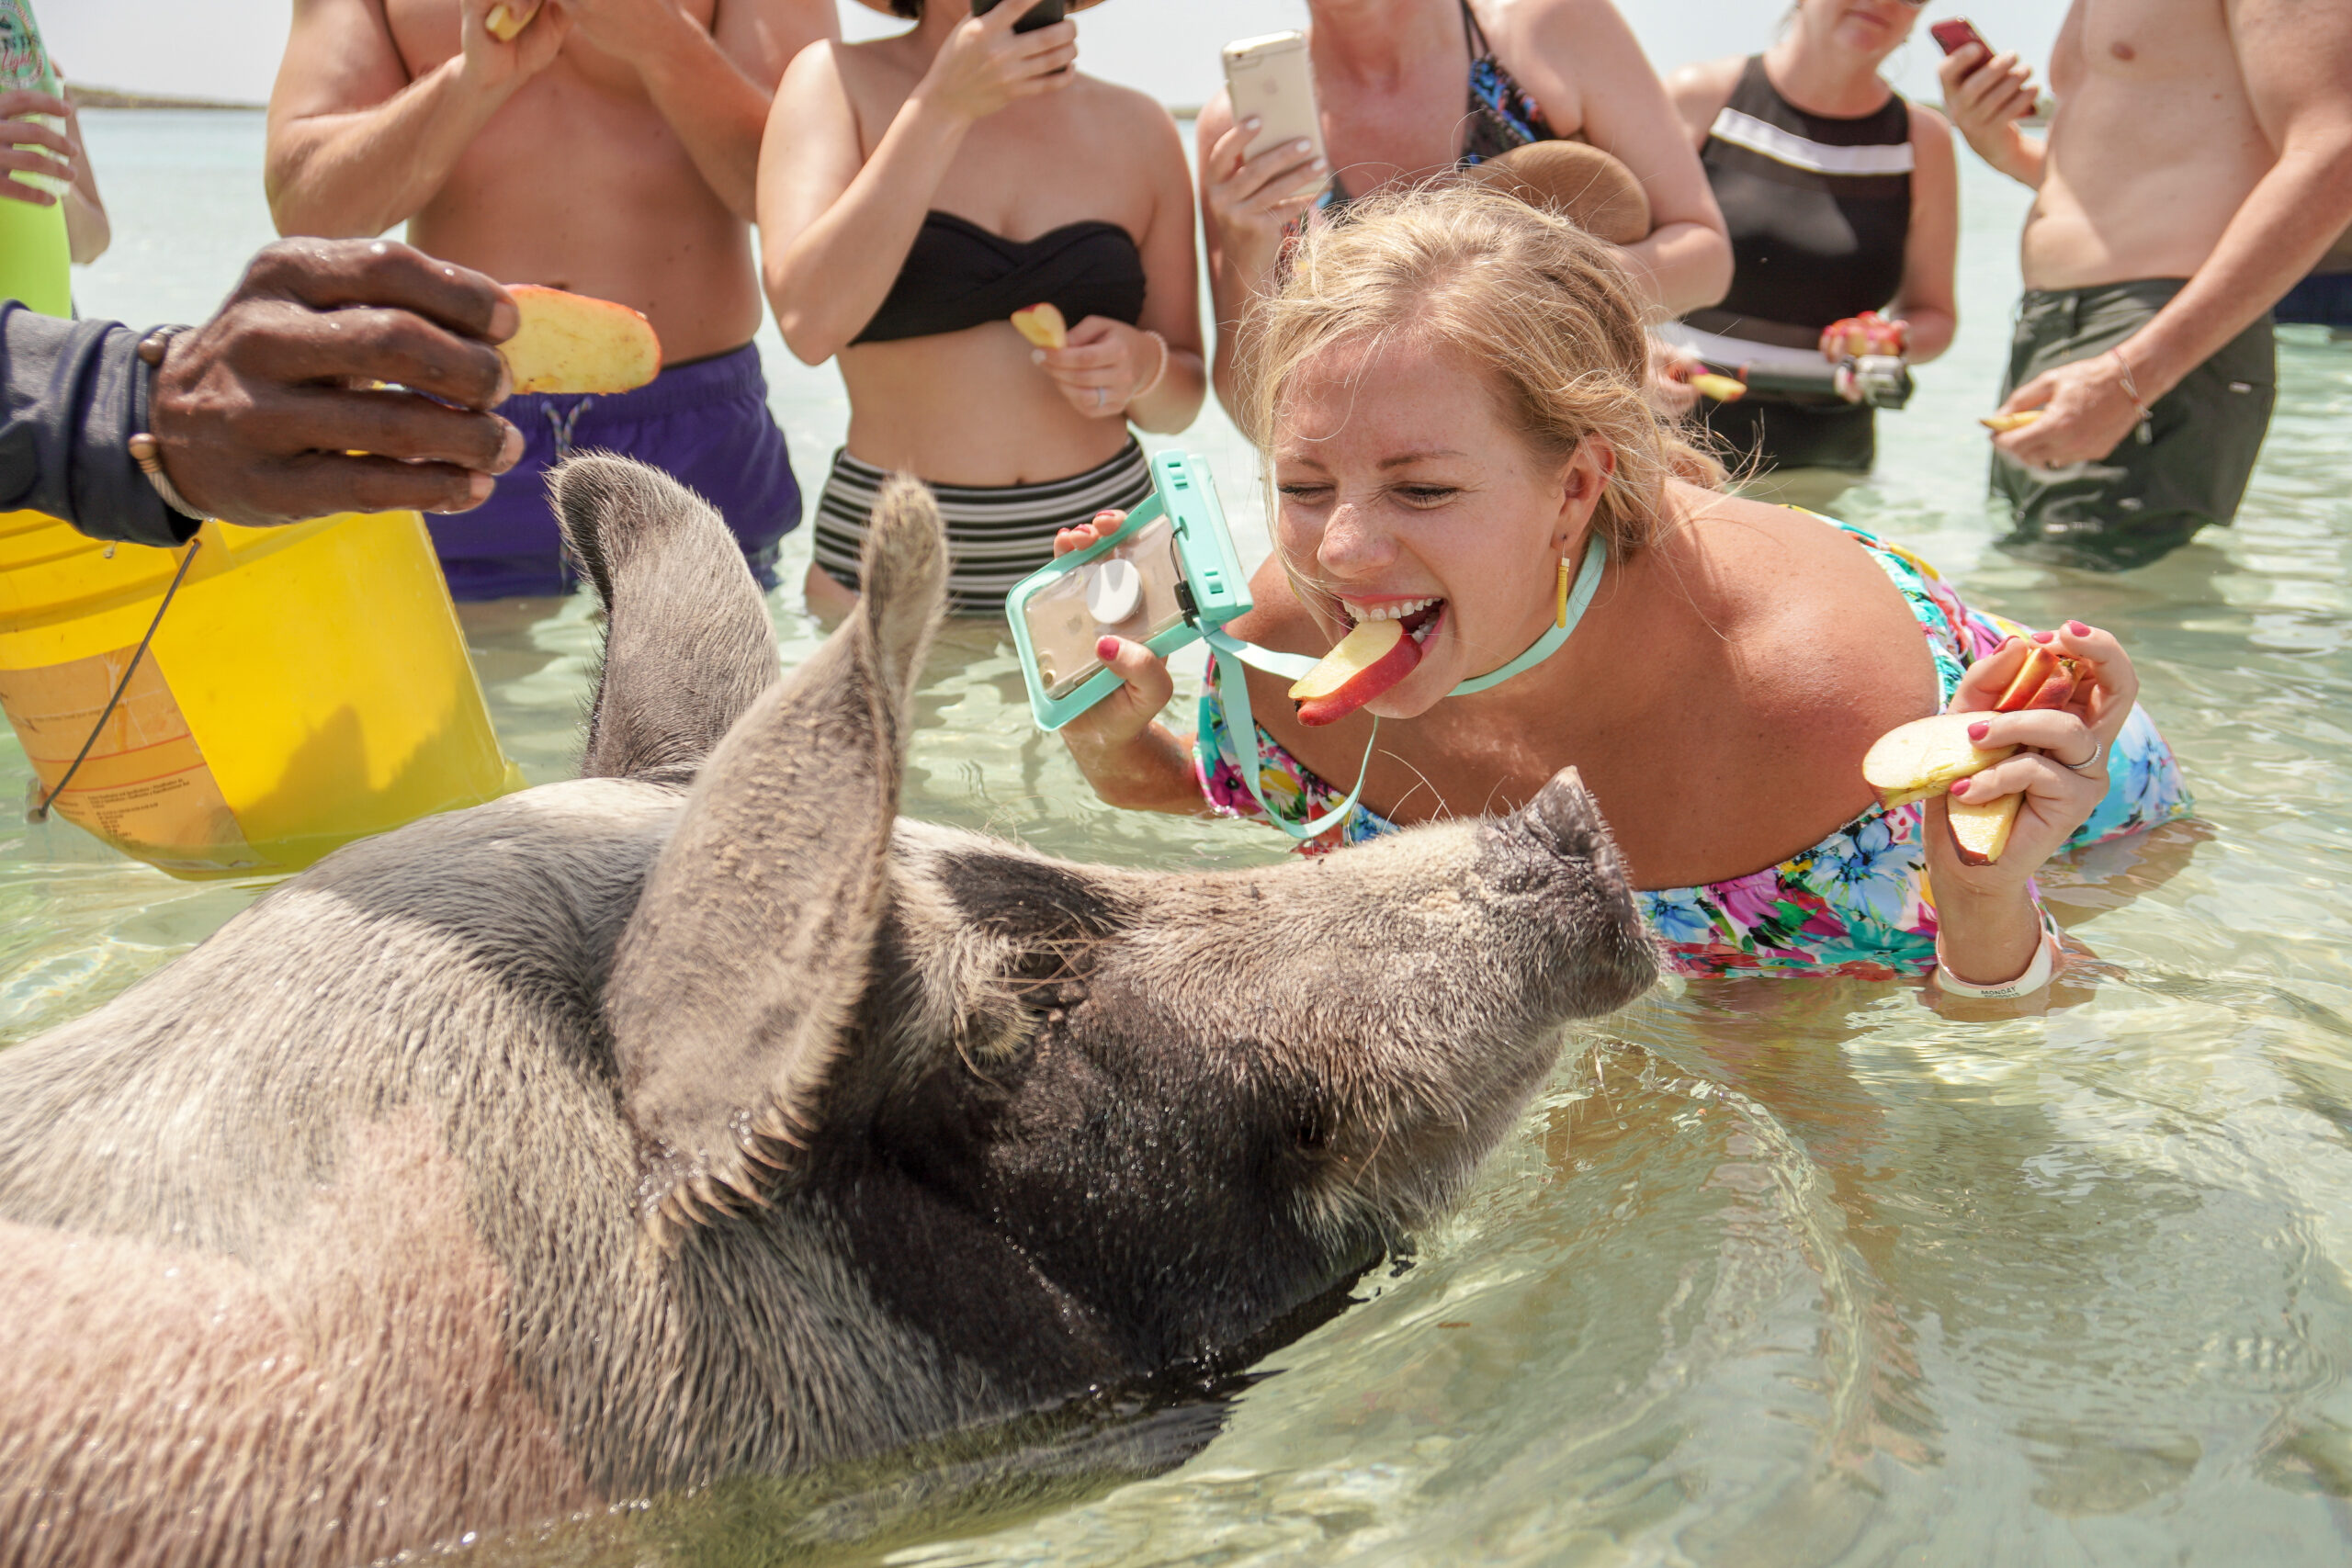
(958, 274)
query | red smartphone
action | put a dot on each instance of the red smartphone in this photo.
(1958, 33)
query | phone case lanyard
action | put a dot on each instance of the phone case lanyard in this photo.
(1231, 653)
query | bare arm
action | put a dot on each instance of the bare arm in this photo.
(1698, 93)
(713, 87)
(1586, 60)
(1113, 356)
(86, 229)
(1927, 298)
(833, 230)
(354, 147)
(2297, 63)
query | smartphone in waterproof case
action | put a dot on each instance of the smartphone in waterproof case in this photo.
(1269, 77)
(1956, 34)
(1169, 575)
(1044, 14)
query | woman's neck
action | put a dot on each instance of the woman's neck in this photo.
(1379, 42)
(1824, 78)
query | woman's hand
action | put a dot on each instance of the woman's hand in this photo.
(1251, 201)
(1100, 368)
(1098, 736)
(985, 66)
(27, 147)
(2062, 775)
(1671, 367)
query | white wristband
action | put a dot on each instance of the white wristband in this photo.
(2036, 976)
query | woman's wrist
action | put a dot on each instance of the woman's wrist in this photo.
(1986, 937)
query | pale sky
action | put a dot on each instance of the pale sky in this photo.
(229, 49)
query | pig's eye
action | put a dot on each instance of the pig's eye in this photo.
(1312, 1131)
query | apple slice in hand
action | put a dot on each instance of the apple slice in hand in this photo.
(569, 343)
(1914, 761)
(1042, 325)
(1369, 659)
(509, 17)
(1981, 832)
(2002, 423)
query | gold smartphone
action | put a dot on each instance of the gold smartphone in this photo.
(1269, 77)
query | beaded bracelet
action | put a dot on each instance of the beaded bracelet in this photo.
(145, 450)
(2036, 976)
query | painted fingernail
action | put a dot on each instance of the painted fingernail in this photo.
(1252, 123)
(1977, 731)
(1107, 649)
(2043, 637)
(1036, 356)
(1960, 787)
(1301, 145)
(1105, 516)
(2077, 628)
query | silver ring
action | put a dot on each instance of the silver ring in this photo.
(2099, 749)
(1101, 396)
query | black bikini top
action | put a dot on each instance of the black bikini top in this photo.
(960, 275)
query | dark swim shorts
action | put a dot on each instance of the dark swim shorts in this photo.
(2144, 499)
(705, 423)
(2323, 299)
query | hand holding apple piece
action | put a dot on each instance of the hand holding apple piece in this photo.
(509, 17)
(1931, 756)
(1043, 325)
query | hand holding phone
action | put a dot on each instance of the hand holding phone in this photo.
(1044, 14)
(1985, 92)
(999, 57)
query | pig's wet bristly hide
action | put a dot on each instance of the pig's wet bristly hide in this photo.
(698, 1120)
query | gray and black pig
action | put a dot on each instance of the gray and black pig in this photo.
(699, 1118)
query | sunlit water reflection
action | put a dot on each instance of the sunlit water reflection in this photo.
(1774, 1272)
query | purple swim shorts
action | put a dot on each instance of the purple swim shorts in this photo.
(705, 423)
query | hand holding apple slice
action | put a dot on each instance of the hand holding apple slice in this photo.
(1369, 659)
(1928, 756)
(509, 17)
(1043, 325)
(570, 342)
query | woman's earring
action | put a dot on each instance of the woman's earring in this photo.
(1560, 611)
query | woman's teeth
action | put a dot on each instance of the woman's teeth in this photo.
(1393, 612)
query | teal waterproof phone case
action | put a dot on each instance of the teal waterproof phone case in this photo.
(1168, 577)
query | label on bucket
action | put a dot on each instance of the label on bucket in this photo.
(144, 787)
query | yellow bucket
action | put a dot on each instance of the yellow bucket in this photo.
(307, 686)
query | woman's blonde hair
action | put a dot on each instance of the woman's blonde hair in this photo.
(1545, 307)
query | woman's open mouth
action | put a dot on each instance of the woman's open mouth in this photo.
(1385, 647)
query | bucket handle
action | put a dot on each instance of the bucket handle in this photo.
(39, 812)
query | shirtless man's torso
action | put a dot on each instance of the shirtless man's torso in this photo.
(575, 173)
(2199, 164)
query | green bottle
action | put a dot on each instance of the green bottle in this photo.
(36, 261)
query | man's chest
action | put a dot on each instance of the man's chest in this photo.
(426, 33)
(2176, 43)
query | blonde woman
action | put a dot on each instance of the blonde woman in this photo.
(1411, 88)
(913, 193)
(1449, 390)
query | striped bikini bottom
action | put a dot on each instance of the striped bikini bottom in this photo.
(997, 534)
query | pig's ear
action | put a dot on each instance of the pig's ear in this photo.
(687, 643)
(738, 975)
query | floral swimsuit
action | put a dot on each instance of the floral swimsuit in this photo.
(1856, 903)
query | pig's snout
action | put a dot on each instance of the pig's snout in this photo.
(1607, 956)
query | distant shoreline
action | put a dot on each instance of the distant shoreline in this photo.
(86, 96)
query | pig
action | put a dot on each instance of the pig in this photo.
(699, 1118)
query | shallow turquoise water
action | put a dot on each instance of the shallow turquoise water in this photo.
(1774, 1272)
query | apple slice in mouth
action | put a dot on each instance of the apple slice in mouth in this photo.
(1369, 661)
